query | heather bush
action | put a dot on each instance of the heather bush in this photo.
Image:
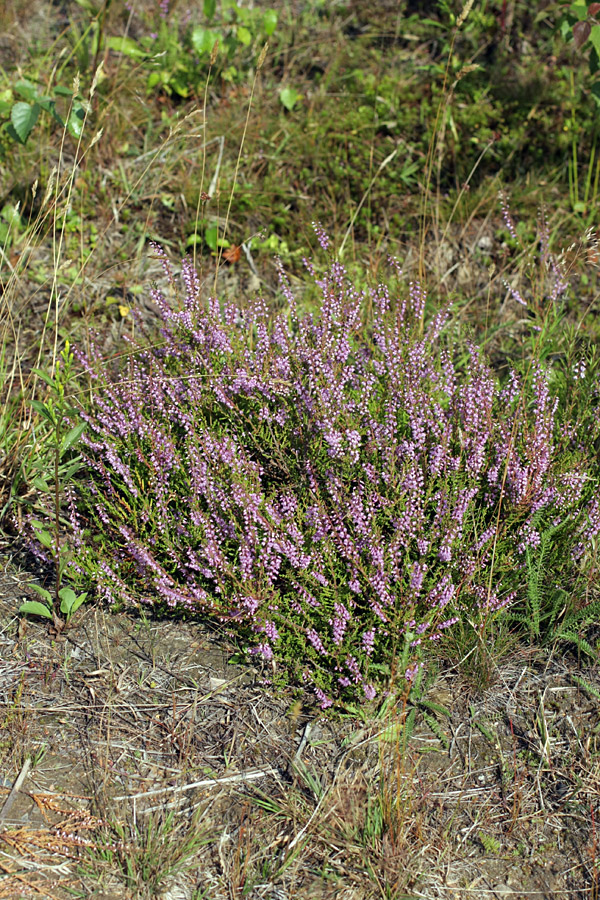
(339, 487)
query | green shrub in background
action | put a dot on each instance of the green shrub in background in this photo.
(179, 53)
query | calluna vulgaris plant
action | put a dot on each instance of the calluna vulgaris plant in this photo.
(336, 486)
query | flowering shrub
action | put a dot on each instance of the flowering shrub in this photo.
(339, 487)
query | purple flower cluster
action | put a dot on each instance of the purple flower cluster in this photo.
(324, 483)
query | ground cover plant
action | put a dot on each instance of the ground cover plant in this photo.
(344, 486)
(374, 489)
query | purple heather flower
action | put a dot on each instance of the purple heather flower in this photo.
(324, 701)
(416, 578)
(510, 225)
(264, 650)
(353, 666)
(251, 604)
(368, 641)
(271, 631)
(322, 235)
(445, 553)
(316, 641)
(412, 671)
(340, 622)
(514, 293)
(299, 470)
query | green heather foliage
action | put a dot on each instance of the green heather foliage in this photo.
(339, 488)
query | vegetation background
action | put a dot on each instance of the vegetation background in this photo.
(459, 140)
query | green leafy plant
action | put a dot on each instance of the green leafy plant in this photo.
(289, 96)
(580, 23)
(88, 40)
(180, 57)
(55, 453)
(146, 852)
(69, 603)
(11, 225)
(489, 843)
(548, 613)
(210, 233)
(21, 116)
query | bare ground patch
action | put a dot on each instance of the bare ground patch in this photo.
(153, 768)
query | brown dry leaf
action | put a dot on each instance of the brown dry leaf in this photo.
(581, 32)
(232, 254)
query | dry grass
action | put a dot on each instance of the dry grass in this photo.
(160, 771)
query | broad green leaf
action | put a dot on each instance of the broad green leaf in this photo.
(67, 473)
(49, 106)
(23, 117)
(209, 7)
(10, 214)
(76, 120)
(67, 599)
(42, 592)
(203, 40)
(45, 539)
(154, 78)
(70, 603)
(595, 38)
(44, 411)
(236, 659)
(34, 608)
(63, 91)
(125, 45)
(27, 89)
(179, 84)
(42, 485)
(269, 21)
(211, 236)
(81, 599)
(44, 376)
(46, 103)
(244, 36)
(71, 437)
(289, 96)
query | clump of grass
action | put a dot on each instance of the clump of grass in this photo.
(147, 851)
(341, 488)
